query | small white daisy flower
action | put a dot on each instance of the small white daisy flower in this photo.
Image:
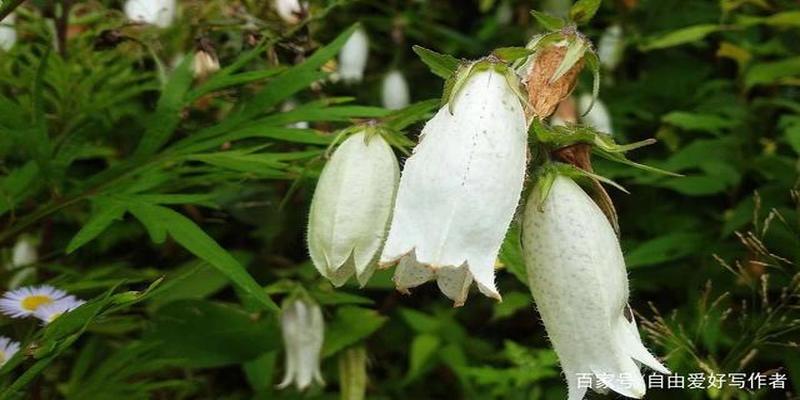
(49, 312)
(25, 301)
(8, 348)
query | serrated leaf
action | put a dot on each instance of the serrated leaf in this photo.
(442, 65)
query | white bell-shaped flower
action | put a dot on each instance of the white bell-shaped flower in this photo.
(610, 47)
(459, 190)
(303, 330)
(351, 208)
(156, 12)
(8, 32)
(577, 275)
(598, 117)
(394, 91)
(353, 57)
(291, 11)
(24, 252)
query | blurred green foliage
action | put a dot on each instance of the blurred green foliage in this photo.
(178, 205)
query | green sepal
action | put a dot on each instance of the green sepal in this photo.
(547, 21)
(583, 10)
(603, 144)
(577, 174)
(509, 54)
(576, 48)
(593, 63)
(442, 65)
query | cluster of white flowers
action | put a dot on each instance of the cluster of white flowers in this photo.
(43, 302)
(451, 210)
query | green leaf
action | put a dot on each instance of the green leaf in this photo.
(772, 72)
(296, 78)
(671, 246)
(442, 65)
(162, 123)
(350, 325)
(547, 21)
(583, 11)
(699, 122)
(150, 216)
(679, 37)
(205, 334)
(106, 213)
(423, 349)
(401, 119)
(197, 242)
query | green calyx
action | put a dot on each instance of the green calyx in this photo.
(546, 174)
(458, 80)
(557, 137)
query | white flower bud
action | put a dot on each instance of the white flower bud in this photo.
(351, 208)
(303, 331)
(8, 32)
(394, 91)
(291, 11)
(459, 190)
(204, 64)
(598, 117)
(610, 47)
(577, 275)
(24, 252)
(156, 12)
(353, 57)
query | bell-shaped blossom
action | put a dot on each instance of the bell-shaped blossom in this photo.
(610, 47)
(204, 64)
(24, 252)
(353, 57)
(394, 91)
(577, 275)
(291, 11)
(303, 331)
(459, 190)
(160, 13)
(8, 348)
(598, 117)
(8, 32)
(351, 208)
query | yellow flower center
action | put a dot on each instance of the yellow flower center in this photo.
(31, 303)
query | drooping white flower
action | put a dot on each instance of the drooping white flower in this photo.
(577, 275)
(353, 57)
(351, 208)
(598, 117)
(291, 11)
(394, 91)
(24, 252)
(25, 301)
(49, 312)
(8, 32)
(303, 331)
(160, 13)
(459, 190)
(204, 64)
(8, 348)
(610, 47)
